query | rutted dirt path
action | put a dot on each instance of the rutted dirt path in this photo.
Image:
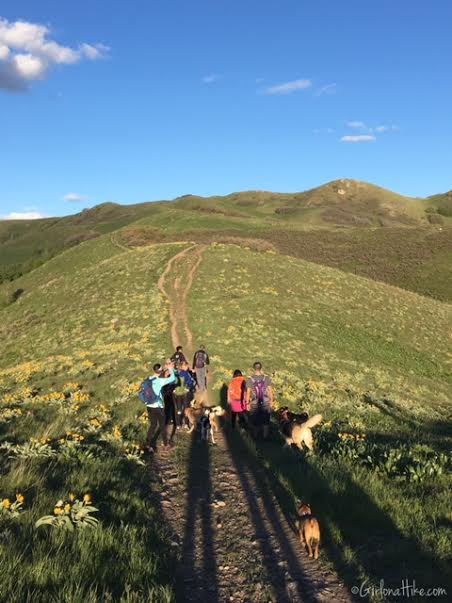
(234, 543)
(175, 284)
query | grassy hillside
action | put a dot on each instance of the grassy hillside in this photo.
(73, 347)
(375, 361)
(25, 244)
(344, 203)
(440, 204)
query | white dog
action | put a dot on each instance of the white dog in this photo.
(209, 422)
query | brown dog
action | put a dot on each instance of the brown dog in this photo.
(296, 428)
(309, 530)
(194, 414)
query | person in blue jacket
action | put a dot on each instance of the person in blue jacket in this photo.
(156, 409)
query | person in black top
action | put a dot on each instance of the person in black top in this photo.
(178, 357)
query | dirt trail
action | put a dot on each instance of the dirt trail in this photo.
(234, 543)
(175, 284)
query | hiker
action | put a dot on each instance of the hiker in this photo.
(259, 399)
(237, 399)
(155, 406)
(200, 366)
(178, 357)
(183, 393)
(168, 401)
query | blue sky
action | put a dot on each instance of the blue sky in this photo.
(151, 99)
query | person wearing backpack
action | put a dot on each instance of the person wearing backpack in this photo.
(200, 366)
(237, 399)
(189, 381)
(151, 395)
(181, 394)
(259, 397)
(178, 357)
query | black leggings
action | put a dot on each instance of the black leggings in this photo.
(156, 418)
(241, 416)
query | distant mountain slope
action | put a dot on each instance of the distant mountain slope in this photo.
(341, 205)
(25, 244)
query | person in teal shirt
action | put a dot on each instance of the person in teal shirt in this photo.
(156, 409)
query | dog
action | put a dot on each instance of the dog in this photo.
(296, 428)
(194, 413)
(209, 422)
(309, 530)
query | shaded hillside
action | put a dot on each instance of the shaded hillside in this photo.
(25, 244)
(440, 204)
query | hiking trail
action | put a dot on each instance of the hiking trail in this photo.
(234, 543)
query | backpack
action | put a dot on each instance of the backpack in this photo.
(235, 390)
(200, 359)
(189, 381)
(147, 394)
(260, 389)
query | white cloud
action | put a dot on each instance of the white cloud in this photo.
(74, 198)
(211, 78)
(288, 87)
(358, 138)
(328, 89)
(25, 215)
(357, 125)
(4, 52)
(26, 53)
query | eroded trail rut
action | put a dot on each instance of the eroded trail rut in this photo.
(234, 543)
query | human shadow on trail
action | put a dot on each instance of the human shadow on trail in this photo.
(250, 474)
(254, 487)
(370, 543)
(198, 583)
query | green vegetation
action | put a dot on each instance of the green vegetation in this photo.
(375, 361)
(78, 333)
(351, 225)
(26, 244)
(74, 348)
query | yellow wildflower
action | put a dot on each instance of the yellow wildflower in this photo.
(57, 510)
(6, 503)
(20, 498)
(67, 508)
(87, 498)
(71, 497)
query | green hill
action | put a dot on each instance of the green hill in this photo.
(440, 204)
(347, 224)
(374, 359)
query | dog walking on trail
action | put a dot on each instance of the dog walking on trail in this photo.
(200, 365)
(237, 399)
(151, 395)
(259, 398)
